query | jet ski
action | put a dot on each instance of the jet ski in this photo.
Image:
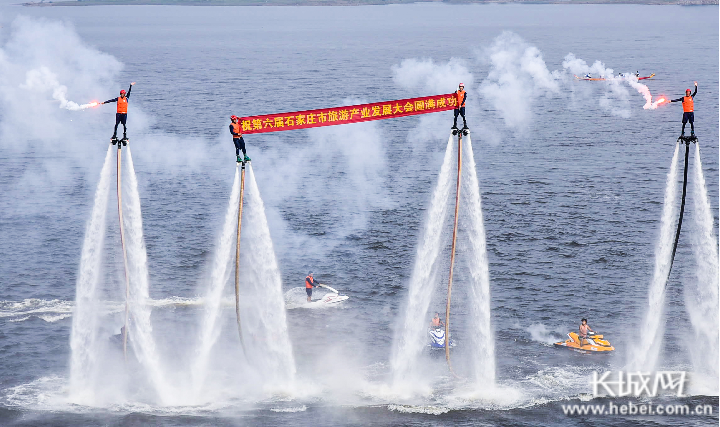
(595, 343)
(437, 337)
(333, 297)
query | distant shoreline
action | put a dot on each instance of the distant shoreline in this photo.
(348, 2)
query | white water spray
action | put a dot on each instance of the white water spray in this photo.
(83, 337)
(140, 325)
(411, 337)
(644, 351)
(701, 294)
(264, 321)
(222, 268)
(482, 339)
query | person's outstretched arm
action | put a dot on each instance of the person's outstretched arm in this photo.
(109, 101)
(693, 95)
(129, 89)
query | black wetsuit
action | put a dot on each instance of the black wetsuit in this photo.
(460, 111)
(120, 117)
(239, 143)
(688, 116)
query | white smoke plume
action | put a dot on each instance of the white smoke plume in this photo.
(518, 76)
(615, 91)
(615, 99)
(424, 76)
(580, 68)
(644, 91)
(43, 80)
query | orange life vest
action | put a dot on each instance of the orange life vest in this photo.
(122, 105)
(309, 281)
(688, 104)
(236, 129)
(460, 95)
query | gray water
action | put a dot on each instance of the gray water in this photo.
(572, 180)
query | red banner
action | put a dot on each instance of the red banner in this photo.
(348, 114)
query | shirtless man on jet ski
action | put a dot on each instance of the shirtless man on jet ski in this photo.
(583, 333)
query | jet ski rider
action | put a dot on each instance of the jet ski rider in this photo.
(310, 283)
(583, 333)
(436, 322)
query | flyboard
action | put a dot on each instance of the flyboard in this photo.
(296, 298)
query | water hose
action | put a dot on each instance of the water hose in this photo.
(452, 258)
(122, 242)
(682, 206)
(237, 254)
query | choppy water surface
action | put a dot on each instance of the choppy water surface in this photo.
(572, 177)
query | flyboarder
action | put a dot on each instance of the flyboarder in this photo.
(236, 131)
(121, 115)
(461, 97)
(310, 283)
(688, 111)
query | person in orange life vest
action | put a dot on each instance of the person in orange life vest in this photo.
(310, 283)
(688, 110)
(460, 97)
(122, 106)
(436, 322)
(236, 131)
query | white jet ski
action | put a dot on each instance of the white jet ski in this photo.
(296, 298)
(437, 337)
(333, 297)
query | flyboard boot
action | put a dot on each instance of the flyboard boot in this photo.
(454, 129)
(465, 130)
(246, 159)
(124, 140)
(113, 139)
